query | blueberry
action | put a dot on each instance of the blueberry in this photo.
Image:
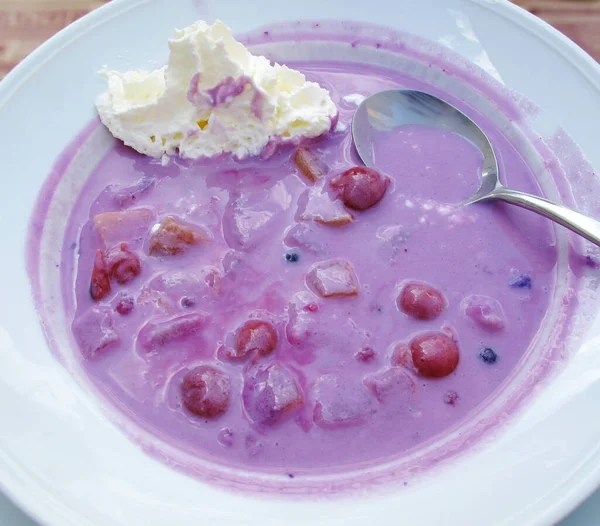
(488, 355)
(292, 257)
(521, 282)
(187, 302)
(592, 261)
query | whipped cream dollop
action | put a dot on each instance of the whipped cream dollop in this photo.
(212, 97)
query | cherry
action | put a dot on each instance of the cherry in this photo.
(254, 337)
(434, 354)
(100, 284)
(421, 301)
(125, 305)
(206, 391)
(309, 164)
(123, 265)
(360, 187)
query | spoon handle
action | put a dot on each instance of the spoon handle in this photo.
(584, 226)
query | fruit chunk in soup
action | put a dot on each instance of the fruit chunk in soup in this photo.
(306, 302)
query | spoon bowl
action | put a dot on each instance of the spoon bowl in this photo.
(391, 109)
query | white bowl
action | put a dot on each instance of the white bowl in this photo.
(65, 463)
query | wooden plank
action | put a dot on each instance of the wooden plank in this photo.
(25, 24)
(578, 19)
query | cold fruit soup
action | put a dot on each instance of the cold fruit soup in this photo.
(293, 311)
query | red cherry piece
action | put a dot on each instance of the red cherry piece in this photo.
(421, 301)
(451, 398)
(156, 334)
(125, 305)
(271, 392)
(172, 237)
(434, 354)
(206, 391)
(360, 187)
(123, 265)
(365, 355)
(333, 278)
(100, 284)
(309, 164)
(254, 337)
(126, 225)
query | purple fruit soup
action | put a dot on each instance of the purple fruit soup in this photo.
(296, 313)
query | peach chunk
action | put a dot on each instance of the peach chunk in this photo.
(392, 383)
(485, 311)
(173, 237)
(271, 392)
(334, 277)
(95, 332)
(155, 334)
(339, 403)
(127, 225)
(309, 164)
(321, 209)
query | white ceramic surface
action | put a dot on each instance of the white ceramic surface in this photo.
(66, 464)
(588, 514)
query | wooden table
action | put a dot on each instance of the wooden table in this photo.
(25, 24)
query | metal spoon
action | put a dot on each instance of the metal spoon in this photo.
(400, 107)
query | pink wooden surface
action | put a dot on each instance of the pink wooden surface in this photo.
(25, 24)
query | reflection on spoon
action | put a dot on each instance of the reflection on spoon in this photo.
(391, 109)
